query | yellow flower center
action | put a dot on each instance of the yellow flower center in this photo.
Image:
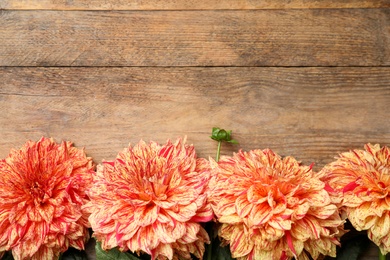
(38, 193)
(153, 188)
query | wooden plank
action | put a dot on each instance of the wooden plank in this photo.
(310, 113)
(187, 4)
(315, 37)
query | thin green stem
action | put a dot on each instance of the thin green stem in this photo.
(381, 256)
(218, 151)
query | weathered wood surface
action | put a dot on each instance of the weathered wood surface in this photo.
(310, 113)
(313, 37)
(186, 4)
(158, 69)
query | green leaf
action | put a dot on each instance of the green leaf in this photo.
(7, 256)
(232, 141)
(223, 253)
(113, 254)
(351, 250)
(220, 252)
(74, 254)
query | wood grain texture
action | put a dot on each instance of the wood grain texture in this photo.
(310, 113)
(306, 78)
(187, 4)
(318, 37)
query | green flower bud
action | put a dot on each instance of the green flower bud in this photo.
(221, 135)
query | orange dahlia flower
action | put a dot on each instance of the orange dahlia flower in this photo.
(42, 189)
(273, 208)
(364, 178)
(151, 199)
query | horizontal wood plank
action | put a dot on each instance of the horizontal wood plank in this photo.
(310, 113)
(187, 4)
(315, 37)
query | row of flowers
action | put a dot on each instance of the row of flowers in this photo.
(163, 201)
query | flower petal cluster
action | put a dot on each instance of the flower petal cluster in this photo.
(273, 208)
(151, 199)
(42, 188)
(363, 177)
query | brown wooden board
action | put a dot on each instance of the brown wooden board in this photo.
(306, 78)
(315, 37)
(310, 113)
(187, 4)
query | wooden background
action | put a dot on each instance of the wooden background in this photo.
(306, 78)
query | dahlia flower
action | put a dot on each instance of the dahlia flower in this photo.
(150, 199)
(42, 189)
(363, 176)
(272, 208)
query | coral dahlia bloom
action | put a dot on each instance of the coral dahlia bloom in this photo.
(42, 189)
(364, 178)
(151, 199)
(273, 208)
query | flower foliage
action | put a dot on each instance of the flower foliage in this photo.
(222, 135)
(42, 189)
(363, 179)
(151, 199)
(273, 208)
